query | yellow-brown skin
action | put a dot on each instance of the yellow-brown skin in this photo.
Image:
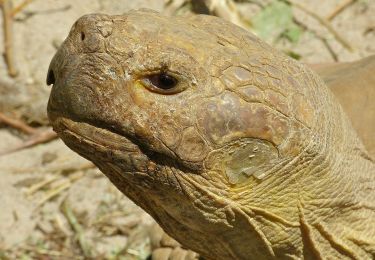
(250, 157)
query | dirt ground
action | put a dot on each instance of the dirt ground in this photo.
(56, 205)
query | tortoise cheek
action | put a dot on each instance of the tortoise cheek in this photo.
(229, 118)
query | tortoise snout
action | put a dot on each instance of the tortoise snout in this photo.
(87, 35)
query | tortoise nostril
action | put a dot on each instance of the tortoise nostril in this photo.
(83, 36)
(50, 77)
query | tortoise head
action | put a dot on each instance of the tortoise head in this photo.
(193, 118)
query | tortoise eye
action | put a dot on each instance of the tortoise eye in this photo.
(163, 81)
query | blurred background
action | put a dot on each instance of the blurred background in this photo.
(56, 205)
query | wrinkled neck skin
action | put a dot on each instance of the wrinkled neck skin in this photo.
(297, 220)
(267, 165)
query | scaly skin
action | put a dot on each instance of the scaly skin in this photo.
(250, 157)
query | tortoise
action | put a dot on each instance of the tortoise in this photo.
(235, 149)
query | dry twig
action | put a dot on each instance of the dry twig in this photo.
(323, 22)
(63, 186)
(6, 7)
(20, 7)
(330, 49)
(18, 124)
(38, 138)
(45, 252)
(54, 192)
(34, 188)
(58, 168)
(339, 9)
(77, 228)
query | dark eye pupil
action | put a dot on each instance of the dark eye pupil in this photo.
(163, 81)
(167, 80)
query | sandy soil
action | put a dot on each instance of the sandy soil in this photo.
(56, 205)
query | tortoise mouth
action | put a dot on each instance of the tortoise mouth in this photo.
(89, 140)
